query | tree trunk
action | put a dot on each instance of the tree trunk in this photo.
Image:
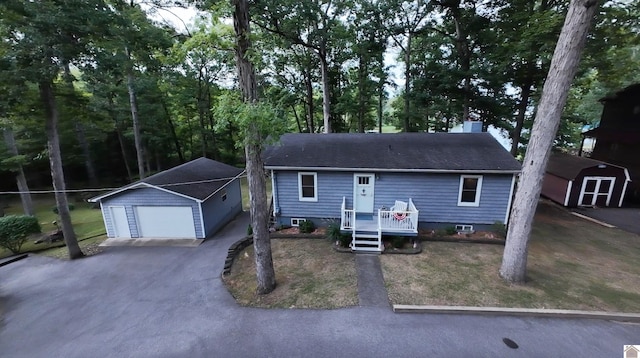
(86, 153)
(295, 114)
(310, 108)
(266, 278)
(21, 180)
(522, 111)
(407, 84)
(80, 131)
(57, 174)
(564, 65)
(380, 102)
(326, 88)
(362, 75)
(134, 117)
(172, 129)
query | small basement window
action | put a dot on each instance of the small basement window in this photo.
(464, 228)
(296, 221)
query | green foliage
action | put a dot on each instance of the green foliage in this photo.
(307, 227)
(268, 118)
(249, 230)
(500, 229)
(14, 230)
(450, 230)
(398, 241)
(70, 206)
(335, 235)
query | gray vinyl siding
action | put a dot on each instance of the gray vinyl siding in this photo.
(146, 197)
(434, 195)
(217, 212)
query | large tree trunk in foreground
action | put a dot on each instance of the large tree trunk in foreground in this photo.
(57, 174)
(21, 180)
(554, 95)
(266, 276)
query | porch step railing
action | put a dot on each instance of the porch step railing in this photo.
(370, 239)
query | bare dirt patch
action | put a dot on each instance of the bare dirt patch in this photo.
(309, 274)
(573, 264)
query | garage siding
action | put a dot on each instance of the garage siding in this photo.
(217, 213)
(147, 197)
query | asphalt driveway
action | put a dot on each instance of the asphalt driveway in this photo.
(170, 302)
(627, 219)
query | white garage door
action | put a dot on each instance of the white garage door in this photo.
(165, 221)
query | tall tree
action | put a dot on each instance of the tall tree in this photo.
(253, 151)
(564, 65)
(41, 34)
(16, 164)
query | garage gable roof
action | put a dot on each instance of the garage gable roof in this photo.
(399, 152)
(197, 179)
(569, 166)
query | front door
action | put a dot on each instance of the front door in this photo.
(363, 185)
(596, 191)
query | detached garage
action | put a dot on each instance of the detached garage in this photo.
(190, 201)
(577, 181)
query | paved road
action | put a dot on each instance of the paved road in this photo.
(170, 302)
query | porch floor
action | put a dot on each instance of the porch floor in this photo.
(372, 226)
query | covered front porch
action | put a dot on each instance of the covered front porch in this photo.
(366, 229)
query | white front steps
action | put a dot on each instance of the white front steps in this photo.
(366, 242)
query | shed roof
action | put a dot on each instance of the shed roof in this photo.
(426, 152)
(197, 179)
(569, 166)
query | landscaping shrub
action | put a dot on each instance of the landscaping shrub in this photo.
(333, 232)
(70, 206)
(450, 230)
(249, 230)
(307, 227)
(14, 230)
(500, 229)
(398, 241)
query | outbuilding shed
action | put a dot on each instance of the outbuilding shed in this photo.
(190, 201)
(577, 181)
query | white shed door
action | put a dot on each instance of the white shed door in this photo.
(165, 221)
(119, 221)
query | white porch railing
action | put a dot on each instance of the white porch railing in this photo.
(348, 219)
(387, 220)
(399, 221)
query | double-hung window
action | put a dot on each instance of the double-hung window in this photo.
(307, 186)
(470, 188)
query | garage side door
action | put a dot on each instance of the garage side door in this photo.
(165, 221)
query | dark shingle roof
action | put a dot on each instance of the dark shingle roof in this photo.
(392, 151)
(195, 179)
(568, 166)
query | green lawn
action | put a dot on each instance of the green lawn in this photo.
(87, 223)
(245, 192)
(572, 264)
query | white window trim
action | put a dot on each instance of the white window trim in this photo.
(295, 222)
(315, 186)
(478, 190)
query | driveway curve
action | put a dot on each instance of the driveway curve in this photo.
(170, 302)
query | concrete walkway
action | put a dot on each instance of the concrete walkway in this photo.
(371, 289)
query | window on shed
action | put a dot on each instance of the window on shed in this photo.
(308, 186)
(470, 187)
